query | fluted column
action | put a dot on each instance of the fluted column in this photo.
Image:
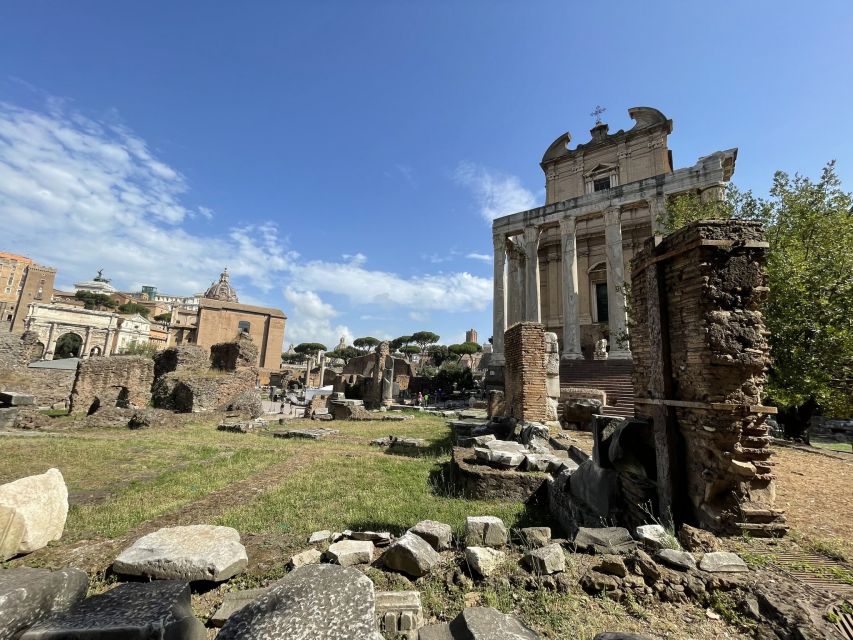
(499, 299)
(532, 311)
(571, 311)
(618, 319)
(515, 283)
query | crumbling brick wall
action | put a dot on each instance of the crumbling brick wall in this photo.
(180, 358)
(17, 350)
(48, 386)
(525, 376)
(700, 352)
(229, 356)
(115, 381)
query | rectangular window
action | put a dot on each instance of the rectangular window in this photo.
(601, 309)
(601, 184)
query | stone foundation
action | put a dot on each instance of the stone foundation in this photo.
(115, 381)
(480, 482)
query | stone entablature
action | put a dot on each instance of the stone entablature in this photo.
(553, 263)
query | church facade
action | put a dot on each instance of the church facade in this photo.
(565, 264)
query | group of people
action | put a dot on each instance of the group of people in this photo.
(422, 400)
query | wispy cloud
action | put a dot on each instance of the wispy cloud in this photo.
(310, 319)
(497, 194)
(482, 257)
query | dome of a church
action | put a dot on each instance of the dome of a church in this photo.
(222, 290)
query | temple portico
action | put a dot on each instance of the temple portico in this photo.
(564, 264)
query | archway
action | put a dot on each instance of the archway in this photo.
(69, 345)
(94, 351)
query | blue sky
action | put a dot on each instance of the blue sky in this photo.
(343, 158)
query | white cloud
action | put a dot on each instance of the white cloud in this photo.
(362, 286)
(497, 194)
(80, 195)
(482, 257)
(310, 319)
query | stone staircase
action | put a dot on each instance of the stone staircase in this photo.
(611, 376)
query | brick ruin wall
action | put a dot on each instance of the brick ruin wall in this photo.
(48, 386)
(230, 356)
(700, 351)
(115, 381)
(180, 358)
(525, 376)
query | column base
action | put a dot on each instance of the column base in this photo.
(619, 355)
(571, 356)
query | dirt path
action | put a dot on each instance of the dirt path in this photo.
(96, 555)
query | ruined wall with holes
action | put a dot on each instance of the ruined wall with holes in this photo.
(50, 387)
(180, 358)
(115, 381)
(525, 375)
(700, 351)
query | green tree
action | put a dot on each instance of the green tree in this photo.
(293, 358)
(345, 354)
(438, 353)
(147, 349)
(163, 317)
(465, 348)
(365, 344)
(452, 374)
(130, 308)
(309, 348)
(68, 345)
(809, 226)
(95, 300)
(410, 349)
(397, 343)
(424, 339)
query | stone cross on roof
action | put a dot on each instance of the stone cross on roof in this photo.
(597, 113)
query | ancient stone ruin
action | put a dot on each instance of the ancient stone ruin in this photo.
(117, 381)
(377, 378)
(525, 373)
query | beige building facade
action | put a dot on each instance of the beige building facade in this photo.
(565, 264)
(22, 282)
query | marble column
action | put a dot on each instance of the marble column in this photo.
(499, 300)
(571, 306)
(532, 310)
(515, 282)
(657, 215)
(309, 364)
(618, 318)
(322, 356)
(84, 350)
(108, 343)
(51, 344)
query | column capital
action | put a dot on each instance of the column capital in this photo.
(568, 225)
(531, 234)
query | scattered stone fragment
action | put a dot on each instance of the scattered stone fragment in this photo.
(609, 635)
(438, 534)
(546, 560)
(596, 582)
(34, 506)
(485, 531)
(682, 560)
(311, 556)
(15, 399)
(535, 537)
(485, 623)
(412, 555)
(722, 562)
(482, 441)
(28, 595)
(136, 610)
(654, 536)
(612, 565)
(319, 536)
(311, 434)
(379, 539)
(244, 426)
(349, 552)
(233, 602)
(696, 540)
(645, 565)
(399, 612)
(195, 552)
(315, 602)
(484, 560)
(604, 540)
(502, 453)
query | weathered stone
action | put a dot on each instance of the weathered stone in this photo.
(541, 462)
(645, 565)
(654, 536)
(484, 560)
(694, 539)
(136, 610)
(485, 623)
(596, 582)
(349, 552)
(12, 528)
(39, 504)
(195, 552)
(482, 441)
(618, 635)
(380, 539)
(485, 531)
(315, 602)
(232, 602)
(29, 595)
(309, 434)
(605, 540)
(435, 632)
(399, 612)
(412, 555)
(681, 560)
(438, 534)
(15, 399)
(319, 536)
(722, 562)
(612, 565)
(310, 556)
(120, 381)
(486, 482)
(535, 537)
(546, 560)
(502, 453)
